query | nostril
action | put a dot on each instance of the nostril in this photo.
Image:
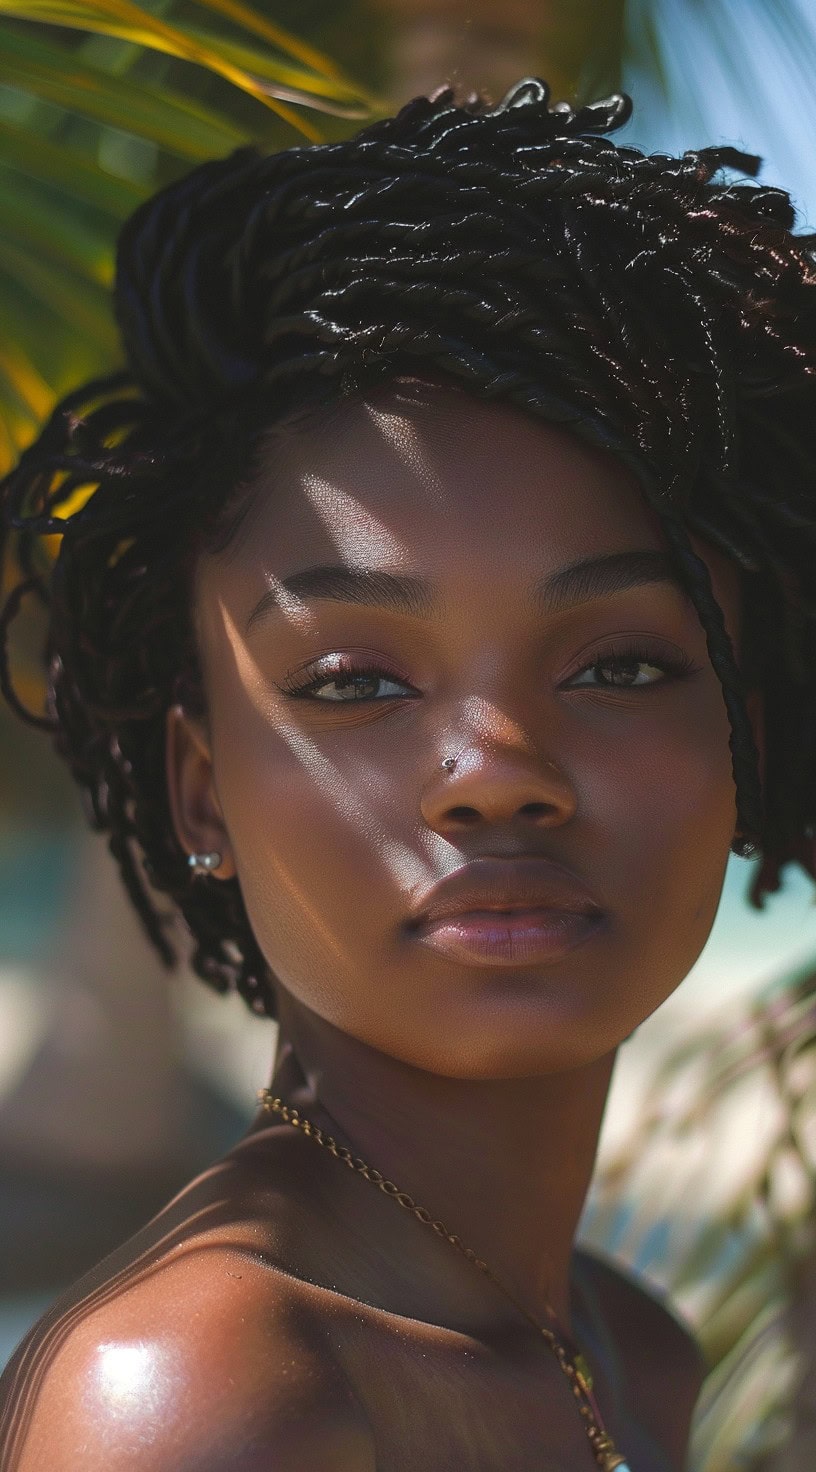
(464, 815)
(533, 809)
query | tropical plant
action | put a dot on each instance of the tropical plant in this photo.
(708, 1193)
(101, 102)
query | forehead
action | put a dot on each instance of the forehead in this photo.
(418, 461)
(428, 479)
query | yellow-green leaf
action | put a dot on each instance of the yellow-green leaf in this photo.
(170, 119)
(147, 30)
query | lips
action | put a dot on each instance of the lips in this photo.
(504, 886)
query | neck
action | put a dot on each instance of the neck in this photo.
(505, 1163)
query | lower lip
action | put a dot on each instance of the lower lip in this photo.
(515, 938)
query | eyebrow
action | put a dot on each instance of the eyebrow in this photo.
(578, 582)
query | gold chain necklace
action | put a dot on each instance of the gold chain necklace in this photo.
(574, 1366)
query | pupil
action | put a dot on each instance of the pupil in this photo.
(619, 667)
(358, 685)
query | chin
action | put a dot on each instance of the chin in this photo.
(510, 1043)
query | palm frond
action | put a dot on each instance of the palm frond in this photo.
(90, 17)
(169, 118)
(131, 22)
(101, 102)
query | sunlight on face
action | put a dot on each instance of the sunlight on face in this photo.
(295, 609)
(352, 808)
(404, 866)
(337, 809)
(353, 532)
(405, 440)
(353, 529)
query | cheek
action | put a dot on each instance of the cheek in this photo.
(315, 851)
(666, 816)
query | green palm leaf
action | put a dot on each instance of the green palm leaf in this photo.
(130, 22)
(142, 26)
(169, 119)
(26, 154)
(101, 103)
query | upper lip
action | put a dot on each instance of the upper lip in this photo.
(504, 884)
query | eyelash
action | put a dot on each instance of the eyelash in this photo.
(346, 671)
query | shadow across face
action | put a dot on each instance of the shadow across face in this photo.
(423, 574)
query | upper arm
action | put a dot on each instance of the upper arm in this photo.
(177, 1384)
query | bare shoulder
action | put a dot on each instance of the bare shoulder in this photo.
(197, 1363)
(644, 1315)
(663, 1362)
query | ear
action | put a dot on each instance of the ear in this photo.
(194, 805)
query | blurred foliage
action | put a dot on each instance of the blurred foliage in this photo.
(103, 102)
(581, 44)
(709, 1194)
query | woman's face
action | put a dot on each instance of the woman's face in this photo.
(332, 804)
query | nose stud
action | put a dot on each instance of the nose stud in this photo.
(449, 763)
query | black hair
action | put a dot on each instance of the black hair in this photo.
(655, 308)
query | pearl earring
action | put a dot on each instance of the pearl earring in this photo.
(204, 863)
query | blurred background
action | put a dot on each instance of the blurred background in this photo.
(117, 1082)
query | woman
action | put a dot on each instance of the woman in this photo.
(433, 615)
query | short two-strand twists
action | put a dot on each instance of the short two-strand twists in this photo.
(659, 311)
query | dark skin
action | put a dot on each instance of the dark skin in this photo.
(293, 1316)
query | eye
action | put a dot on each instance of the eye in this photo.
(626, 662)
(343, 681)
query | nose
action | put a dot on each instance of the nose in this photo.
(497, 787)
